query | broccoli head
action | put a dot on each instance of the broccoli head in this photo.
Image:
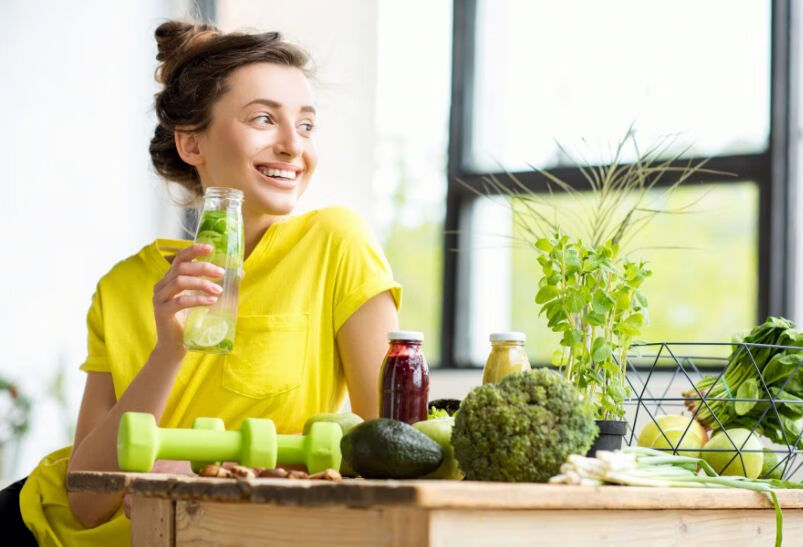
(521, 429)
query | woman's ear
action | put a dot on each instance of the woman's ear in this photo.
(189, 147)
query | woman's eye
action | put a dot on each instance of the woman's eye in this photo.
(263, 118)
(306, 127)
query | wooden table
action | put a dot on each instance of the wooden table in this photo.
(182, 510)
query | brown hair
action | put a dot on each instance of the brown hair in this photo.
(195, 60)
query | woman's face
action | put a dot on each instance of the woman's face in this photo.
(260, 139)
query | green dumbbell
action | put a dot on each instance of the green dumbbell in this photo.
(140, 443)
(211, 424)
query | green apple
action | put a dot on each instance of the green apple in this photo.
(440, 431)
(671, 432)
(770, 469)
(724, 449)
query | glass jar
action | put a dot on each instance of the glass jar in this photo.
(210, 329)
(404, 379)
(508, 355)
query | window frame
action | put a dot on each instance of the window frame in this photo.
(774, 171)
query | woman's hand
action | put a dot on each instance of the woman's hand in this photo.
(170, 296)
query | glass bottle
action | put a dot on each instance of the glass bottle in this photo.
(210, 329)
(404, 379)
(508, 355)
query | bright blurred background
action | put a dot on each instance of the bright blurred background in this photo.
(81, 194)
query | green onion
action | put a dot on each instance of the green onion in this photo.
(638, 466)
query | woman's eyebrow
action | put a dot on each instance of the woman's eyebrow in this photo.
(277, 105)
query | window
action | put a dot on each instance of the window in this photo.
(529, 74)
(412, 134)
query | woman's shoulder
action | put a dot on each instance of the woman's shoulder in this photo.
(144, 265)
(337, 222)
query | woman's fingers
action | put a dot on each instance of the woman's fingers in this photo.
(184, 301)
(192, 252)
(206, 269)
(185, 283)
(127, 505)
(183, 264)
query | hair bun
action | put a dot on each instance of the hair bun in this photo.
(174, 39)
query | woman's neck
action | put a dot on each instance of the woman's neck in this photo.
(254, 227)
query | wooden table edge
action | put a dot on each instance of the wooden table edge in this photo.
(426, 493)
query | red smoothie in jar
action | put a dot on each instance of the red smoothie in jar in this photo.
(404, 379)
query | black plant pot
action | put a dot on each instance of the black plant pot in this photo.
(611, 433)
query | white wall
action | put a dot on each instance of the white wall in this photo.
(78, 191)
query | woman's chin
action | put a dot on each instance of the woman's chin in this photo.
(278, 205)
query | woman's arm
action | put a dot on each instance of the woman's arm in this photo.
(362, 342)
(94, 448)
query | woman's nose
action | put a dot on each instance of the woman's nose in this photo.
(289, 142)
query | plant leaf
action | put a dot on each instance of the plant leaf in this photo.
(601, 303)
(575, 300)
(546, 294)
(600, 350)
(748, 390)
(543, 244)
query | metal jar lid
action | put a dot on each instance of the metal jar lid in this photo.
(411, 335)
(508, 337)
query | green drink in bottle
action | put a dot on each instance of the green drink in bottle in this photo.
(210, 329)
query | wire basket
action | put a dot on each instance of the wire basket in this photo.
(690, 379)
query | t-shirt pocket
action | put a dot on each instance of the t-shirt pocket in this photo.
(269, 355)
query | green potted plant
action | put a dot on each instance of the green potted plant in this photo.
(589, 289)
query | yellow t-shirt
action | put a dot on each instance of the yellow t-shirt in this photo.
(303, 280)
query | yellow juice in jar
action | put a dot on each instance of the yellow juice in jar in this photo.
(508, 355)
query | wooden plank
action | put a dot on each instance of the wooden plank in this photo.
(215, 523)
(462, 528)
(429, 494)
(152, 522)
(96, 481)
(495, 495)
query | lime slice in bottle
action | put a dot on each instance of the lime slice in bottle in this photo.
(206, 329)
(210, 237)
(220, 225)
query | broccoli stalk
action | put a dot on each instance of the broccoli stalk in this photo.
(521, 429)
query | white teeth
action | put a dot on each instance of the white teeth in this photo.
(271, 172)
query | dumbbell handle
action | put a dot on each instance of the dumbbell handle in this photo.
(202, 445)
(292, 449)
(199, 444)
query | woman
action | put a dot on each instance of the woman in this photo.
(316, 301)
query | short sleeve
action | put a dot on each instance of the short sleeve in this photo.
(362, 270)
(97, 358)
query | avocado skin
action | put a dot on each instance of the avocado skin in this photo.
(390, 449)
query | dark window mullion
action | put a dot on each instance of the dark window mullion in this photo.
(463, 33)
(752, 167)
(776, 211)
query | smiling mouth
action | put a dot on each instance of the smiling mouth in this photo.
(283, 178)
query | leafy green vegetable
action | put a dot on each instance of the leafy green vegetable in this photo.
(761, 388)
(437, 413)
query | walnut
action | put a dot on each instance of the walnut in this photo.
(215, 471)
(297, 475)
(328, 475)
(278, 473)
(242, 472)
